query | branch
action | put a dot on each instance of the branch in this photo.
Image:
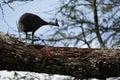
(77, 62)
(97, 25)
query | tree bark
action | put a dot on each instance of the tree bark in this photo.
(77, 62)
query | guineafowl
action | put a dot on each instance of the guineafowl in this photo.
(29, 22)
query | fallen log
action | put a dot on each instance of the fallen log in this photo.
(77, 62)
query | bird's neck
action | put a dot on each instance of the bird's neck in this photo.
(51, 23)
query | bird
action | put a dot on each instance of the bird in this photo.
(29, 22)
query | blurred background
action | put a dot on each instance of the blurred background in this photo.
(83, 23)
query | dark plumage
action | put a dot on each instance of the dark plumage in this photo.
(29, 22)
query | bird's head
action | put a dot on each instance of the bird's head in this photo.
(56, 22)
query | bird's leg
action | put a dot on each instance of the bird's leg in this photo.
(44, 43)
(26, 36)
(19, 35)
(32, 37)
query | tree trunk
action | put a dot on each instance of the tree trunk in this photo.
(96, 25)
(77, 62)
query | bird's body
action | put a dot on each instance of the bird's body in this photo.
(29, 22)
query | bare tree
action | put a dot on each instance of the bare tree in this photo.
(84, 23)
(97, 24)
(99, 20)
